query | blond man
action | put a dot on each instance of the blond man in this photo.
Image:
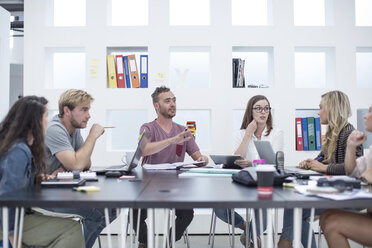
(66, 151)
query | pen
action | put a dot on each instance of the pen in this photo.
(184, 136)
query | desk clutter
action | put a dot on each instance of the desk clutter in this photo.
(334, 188)
(87, 175)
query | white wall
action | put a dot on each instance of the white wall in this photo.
(4, 61)
(220, 36)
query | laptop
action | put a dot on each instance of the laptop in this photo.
(127, 168)
(226, 160)
(265, 151)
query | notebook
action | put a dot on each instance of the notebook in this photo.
(127, 168)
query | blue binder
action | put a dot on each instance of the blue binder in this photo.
(144, 71)
(304, 134)
(126, 72)
(318, 142)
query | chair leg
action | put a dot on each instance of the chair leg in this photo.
(260, 213)
(233, 227)
(99, 241)
(312, 212)
(319, 237)
(275, 226)
(214, 218)
(228, 226)
(210, 228)
(247, 228)
(254, 230)
(138, 226)
(186, 237)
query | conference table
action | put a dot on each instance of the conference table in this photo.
(165, 189)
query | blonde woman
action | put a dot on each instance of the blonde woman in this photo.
(334, 111)
(340, 225)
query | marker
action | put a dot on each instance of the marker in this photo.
(86, 189)
(108, 127)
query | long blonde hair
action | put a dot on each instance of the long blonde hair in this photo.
(338, 110)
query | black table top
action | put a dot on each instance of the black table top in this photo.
(113, 193)
(164, 189)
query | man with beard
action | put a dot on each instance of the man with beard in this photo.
(66, 151)
(169, 142)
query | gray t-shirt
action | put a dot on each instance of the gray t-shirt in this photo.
(58, 139)
(172, 153)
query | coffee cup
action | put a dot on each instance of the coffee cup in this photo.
(265, 179)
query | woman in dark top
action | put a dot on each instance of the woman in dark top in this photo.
(22, 162)
(334, 112)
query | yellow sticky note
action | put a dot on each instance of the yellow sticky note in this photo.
(160, 76)
(93, 73)
(94, 62)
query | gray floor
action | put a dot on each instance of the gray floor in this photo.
(199, 241)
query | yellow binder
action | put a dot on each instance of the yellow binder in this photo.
(111, 72)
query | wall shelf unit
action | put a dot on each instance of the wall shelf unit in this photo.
(196, 62)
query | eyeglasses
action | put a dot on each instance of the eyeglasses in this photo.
(259, 109)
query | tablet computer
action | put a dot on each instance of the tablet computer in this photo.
(63, 182)
(226, 160)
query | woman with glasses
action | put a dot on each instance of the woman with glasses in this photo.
(257, 124)
(334, 112)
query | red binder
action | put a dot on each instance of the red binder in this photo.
(133, 71)
(299, 138)
(120, 71)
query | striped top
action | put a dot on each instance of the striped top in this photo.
(337, 164)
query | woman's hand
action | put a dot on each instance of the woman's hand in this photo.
(356, 138)
(251, 128)
(46, 177)
(311, 164)
(243, 162)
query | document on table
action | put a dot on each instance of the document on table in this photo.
(208, 172)
(346, 195)
(173, 166)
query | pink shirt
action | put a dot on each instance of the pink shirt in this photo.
(363, 163)
(172, 153)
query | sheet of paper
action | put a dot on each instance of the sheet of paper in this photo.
(173, 166)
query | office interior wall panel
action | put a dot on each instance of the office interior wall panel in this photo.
(220, 37)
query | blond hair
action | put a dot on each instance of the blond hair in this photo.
(337, 106)
(73, 98)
